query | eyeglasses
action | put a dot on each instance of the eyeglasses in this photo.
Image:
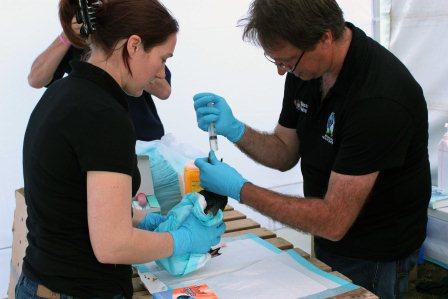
(282, 65)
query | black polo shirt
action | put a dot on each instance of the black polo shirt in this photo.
(80, 124)
(373, 119)
(145, 118)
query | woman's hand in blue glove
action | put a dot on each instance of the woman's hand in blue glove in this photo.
(194, 237)
(151, 221)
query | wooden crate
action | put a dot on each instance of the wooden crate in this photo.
(19, 241)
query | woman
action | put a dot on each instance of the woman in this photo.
(79, 163)
(54, 63)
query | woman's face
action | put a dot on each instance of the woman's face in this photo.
(147, 66)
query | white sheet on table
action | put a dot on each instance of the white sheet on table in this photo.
(264, 279)
(234, 256)
(248, 269)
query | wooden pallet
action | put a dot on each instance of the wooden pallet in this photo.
(237, 224)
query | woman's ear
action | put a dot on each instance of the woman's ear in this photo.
(133, 44)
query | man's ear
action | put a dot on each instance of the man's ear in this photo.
(133, 44)
(327, 39)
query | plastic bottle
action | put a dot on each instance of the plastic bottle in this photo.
(442, 170)
(192, 179)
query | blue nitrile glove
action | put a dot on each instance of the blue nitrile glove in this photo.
(220, 178)
(151, 221)
(194, 237)
(220, 113)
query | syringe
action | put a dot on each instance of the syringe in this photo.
(212, 137)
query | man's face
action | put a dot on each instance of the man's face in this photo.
(306, 65)
(285, 57)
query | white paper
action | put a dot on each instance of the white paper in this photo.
(247, 269)
(264, 279)
(234, 256)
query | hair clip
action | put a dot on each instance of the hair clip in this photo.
(86, 16)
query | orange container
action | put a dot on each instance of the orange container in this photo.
(191, 179)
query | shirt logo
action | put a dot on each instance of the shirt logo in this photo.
(301, 106)
(330, 128)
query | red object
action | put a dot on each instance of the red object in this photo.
(64, 41)
(141, 198)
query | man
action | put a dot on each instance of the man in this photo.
(357, 120)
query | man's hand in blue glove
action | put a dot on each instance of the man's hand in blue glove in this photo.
(151, 221)
(220, 113)
(220, 178)
(195, 237)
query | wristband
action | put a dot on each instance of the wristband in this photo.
(64, 41)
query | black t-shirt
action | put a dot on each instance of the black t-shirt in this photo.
(145, 118)
(80, 124)
(373, 119)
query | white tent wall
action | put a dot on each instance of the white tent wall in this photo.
(210, 56)
(417, 37)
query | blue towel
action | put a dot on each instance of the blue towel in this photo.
(191, 203)
(166, 167)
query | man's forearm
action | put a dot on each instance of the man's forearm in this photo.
(311, 215)
(267, 149)
(43, 68)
